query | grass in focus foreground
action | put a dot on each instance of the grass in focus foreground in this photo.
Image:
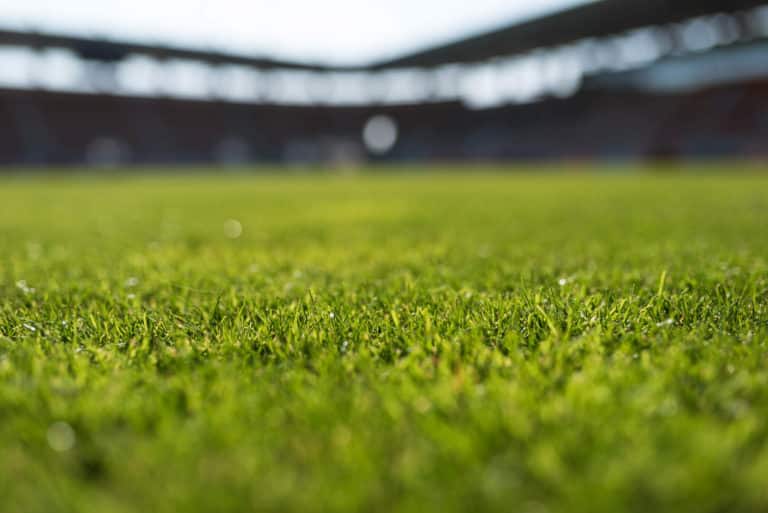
(472, 342)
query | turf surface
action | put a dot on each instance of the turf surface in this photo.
(437, 342)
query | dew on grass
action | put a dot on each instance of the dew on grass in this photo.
(232, 228)
(24, 287)
(61, 437)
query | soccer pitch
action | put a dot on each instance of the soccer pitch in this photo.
(464, 341)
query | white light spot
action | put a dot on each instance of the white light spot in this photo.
(562, 282)
(107, 152)
(380, 134)
(668, 322)
(232, 151)
(232, 228)
(131, 282)
(30, 327)
(61, 436)
(22, 285)
(332, 315)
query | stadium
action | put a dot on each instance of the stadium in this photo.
(616, 80)
(518, 265)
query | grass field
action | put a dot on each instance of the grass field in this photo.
(437, 342)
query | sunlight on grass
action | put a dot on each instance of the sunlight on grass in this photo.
(439, 342)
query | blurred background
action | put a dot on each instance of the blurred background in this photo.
(342, 82)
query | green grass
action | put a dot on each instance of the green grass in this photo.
(437, 342)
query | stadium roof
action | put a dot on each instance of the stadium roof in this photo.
(113, 51)
(595, 19)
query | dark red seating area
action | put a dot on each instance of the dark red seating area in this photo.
(44, 128)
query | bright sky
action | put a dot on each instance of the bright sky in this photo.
(335, 31)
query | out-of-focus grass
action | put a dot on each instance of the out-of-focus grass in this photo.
(461, 342)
